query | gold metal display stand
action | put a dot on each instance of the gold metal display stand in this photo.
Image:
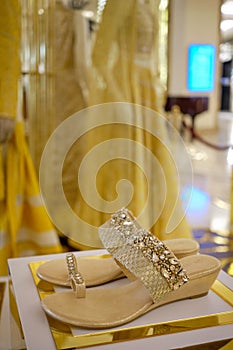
(64, 339)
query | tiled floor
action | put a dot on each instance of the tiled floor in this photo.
(209, 211)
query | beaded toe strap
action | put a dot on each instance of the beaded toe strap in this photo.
(141, 253)
(76, 280)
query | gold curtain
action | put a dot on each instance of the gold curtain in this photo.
(24, 224)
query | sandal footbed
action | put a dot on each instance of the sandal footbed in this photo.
(111, 307)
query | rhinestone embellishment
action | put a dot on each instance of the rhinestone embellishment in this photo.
(71, 264)
(76, 280)
(164, 261)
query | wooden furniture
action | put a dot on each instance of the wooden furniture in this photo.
(191, 105)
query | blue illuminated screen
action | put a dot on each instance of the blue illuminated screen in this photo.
(201, 67)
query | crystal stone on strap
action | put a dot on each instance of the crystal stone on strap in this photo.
(76, 280)
(71, 264)
(144, 255)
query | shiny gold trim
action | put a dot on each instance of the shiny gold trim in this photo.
(230, 269)
(65, 340)
(223, 292)
(14, 309)
(2, 292)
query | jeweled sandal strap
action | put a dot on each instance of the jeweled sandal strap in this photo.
(141, 253)
(71, 264)
(76, 280)
(78, 285)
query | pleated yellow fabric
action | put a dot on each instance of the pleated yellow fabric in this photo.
(2, 180)
(126, 68)
(25, 226)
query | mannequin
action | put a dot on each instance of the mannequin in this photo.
(126, 68)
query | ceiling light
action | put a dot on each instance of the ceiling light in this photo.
(227, 8)
(88, 14)
(227, 24)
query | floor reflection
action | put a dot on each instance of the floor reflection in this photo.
(209, 209)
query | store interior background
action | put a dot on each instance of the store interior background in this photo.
(190, 21)
(210, 210)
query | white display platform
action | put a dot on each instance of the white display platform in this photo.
(38, 334)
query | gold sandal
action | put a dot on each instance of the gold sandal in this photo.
(105, 269)
(158, 278)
